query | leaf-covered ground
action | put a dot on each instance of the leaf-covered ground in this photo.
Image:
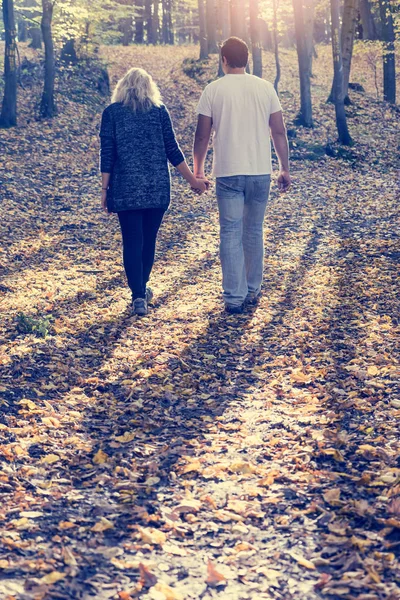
(191, 454)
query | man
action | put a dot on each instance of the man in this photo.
(244, 111)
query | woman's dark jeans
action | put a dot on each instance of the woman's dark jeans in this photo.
(139, 234)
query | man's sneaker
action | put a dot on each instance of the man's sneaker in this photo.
(140, 307)
(149, 295)
(234, 310)
(253, 298)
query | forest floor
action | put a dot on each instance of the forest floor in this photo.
(191, 454)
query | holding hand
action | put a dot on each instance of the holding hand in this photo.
(201, 185)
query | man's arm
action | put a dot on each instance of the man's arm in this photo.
(201, 141)
(279, 137)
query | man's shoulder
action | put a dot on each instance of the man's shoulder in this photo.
(214, 85)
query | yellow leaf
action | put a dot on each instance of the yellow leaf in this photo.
(31, 514)
(150, 535)
(169, 592)
(100, 457)
(304, 562)
(194, 466)
(125, 438)
(102, 525)
(50, 459)
(152, 480)
(336, 454)
(332, 496)
(52, 577)
(51, 421)
(66, 525)
(22, 523)
(29, 404)
(243, 467)
(4, 564)
(124, 564)
(373, 370)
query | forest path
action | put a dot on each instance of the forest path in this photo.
(191, 454)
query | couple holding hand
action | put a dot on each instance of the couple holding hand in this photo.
(138, 141)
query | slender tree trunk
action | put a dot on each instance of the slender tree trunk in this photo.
(156, 21)
(255, 38)
(22, 31)
(308, 13)
(36, 38)
(211, 26)
(367, 21)
(276, 45)
(305, 116)
(171, 37)
(349, 24)
(148, 20)
(202, 31)
(47, 105)
(225, 28)
(238, 20)
(126, 30)
(139, 30)
(348, 30)
(341, 122)
(389, 59)
(8, 116)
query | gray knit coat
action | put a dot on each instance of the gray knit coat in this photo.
(135, 150)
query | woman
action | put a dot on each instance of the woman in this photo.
(137, 141)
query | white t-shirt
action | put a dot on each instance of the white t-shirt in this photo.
(240, 107)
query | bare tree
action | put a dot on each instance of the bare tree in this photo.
(305, 115)
(139, 29)
(276, 44)
(47, 105)
(341, 122)
(255, 38)
(389, 60)
(369, 31)
(348, 30)
(203, 31)
(8, 116)
(211, 23)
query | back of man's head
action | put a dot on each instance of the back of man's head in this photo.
(236, 52)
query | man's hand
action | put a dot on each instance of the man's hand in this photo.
(284, 181)
(104, 201)
(202, 185)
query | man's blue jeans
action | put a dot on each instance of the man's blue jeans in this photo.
(242, 200)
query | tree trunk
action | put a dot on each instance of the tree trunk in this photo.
(126, 29)
(171, 37)
(47, 105)
(276, 46)
(255, 38)
(211, 26)
(341, 122)
(369, 31)
(202, 31)
(22, 31)
(238, 20)
(8, 116)
(349, 23)
(305, 115)
(308, 13)
(36, 38)
(148, 21)
(389, 59)
(139, 30)
(156, 21)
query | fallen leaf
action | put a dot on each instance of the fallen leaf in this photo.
(151, 535)
(51, 578)
(214, 578)
(304, 562)
(100, 457)
(102, 525)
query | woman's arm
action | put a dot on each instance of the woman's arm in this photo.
(172, 149)
(200, 185)
(107, 155)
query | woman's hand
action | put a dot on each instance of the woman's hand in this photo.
(104, 201)
(200, 185)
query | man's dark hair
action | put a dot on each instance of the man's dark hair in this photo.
(236, 52)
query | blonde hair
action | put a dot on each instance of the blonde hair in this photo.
(137, 90)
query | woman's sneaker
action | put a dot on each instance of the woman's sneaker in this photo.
(139, 306)
(149, 295)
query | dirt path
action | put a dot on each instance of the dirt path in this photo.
(191, 454)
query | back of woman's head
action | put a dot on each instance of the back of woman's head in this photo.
(137, 90)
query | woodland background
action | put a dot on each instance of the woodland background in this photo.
(192, 454)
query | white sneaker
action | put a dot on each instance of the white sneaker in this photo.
(140, 307)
